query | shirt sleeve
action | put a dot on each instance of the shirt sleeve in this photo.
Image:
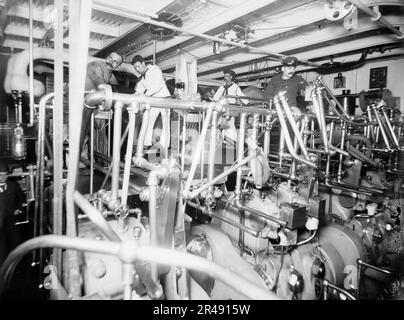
(155, 81)
(218, 94)
(96, 74)
(240, 92)
(269, 91)
(140, 87)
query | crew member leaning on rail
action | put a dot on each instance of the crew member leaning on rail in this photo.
(151, 83)
(229, 88)
(98, 72)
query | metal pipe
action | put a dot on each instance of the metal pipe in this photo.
(128, 158)
(370, 133)
(100, 96)
(121, 164)
(198, 149)
(184, 138)
(255, 212)
(322, 119)
(109, 134)
(292, 122)
(127, 276)
(327, 165)
(211, 213)
(202, 164)
(92, 153)
(95, 216)
(240, 154)
(377, 16)
(287, 136)
(40, 167)
(355, 191)
(220, 40)
(224, 174)
(328, 284)
(393, 134)
(154, 177)
(116, 153)
(58, 137)
(79, 30)
(101, 169)
(107, 158)
(131, 251)
(212, 150)
(31, 64)
(267, 135)
(381, 128)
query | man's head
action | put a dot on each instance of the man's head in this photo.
(3, 171)
(289, 67)
(229, 76)
(139, 64)
(114, 60)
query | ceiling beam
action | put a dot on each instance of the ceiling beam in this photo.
(23, 32)
(317, 37)
(314, 14)
(226, 16)
(317, 54)
(39, 15)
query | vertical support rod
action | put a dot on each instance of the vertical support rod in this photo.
(79, 32)
(58, 137)
(212, 150)
(184, 138)
(92, 153)
(240, 154)
(116, 153)
(198, 148)
(128, 157)
(267, 135)
(31, 64)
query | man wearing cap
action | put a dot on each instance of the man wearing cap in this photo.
(288, 81)
(229, 87)
(11, 197)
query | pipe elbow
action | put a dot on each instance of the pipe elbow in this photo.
(94, 98)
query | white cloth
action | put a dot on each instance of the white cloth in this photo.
(152, 84)
(232, 90)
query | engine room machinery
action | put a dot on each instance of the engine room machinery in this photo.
(304, 206)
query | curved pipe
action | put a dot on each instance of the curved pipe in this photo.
(17, 78)
(130, 252)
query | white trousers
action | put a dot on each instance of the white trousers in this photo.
(165, 131)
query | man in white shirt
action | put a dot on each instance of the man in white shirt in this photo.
(229, 88)
(151, 83)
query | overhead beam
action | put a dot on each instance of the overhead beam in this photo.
(20, 11)
(209, 24)
(22, 31)
(324, 36)
(205, 52)
(317, 54)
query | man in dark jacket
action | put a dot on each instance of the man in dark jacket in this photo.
(98, 72)
(288, 81)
